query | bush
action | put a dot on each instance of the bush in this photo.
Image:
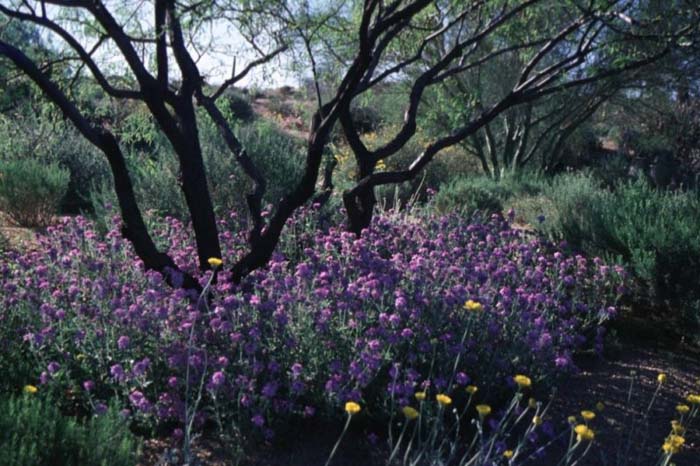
(34, 432)
(30, 191)
(239, 106)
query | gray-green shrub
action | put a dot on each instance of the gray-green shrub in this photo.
(31, 191)
(34, 432)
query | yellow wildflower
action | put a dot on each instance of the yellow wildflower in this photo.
(537, 420)
(471, 389)
(483, 410)
(420, 396)
(352, 408)
(443, 399)
(473, 306)
(31, 389)
(523, 381)
(532, 403)
(215, 262)
(661, 378)
(600, 406)
(80, 356)
(673, 444)
(683, 409)
(409, 412)
(571, 420)
(694, 399)
(508, 454)
(677, 427)
(583, 432)
(588, 415)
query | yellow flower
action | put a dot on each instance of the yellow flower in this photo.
(483, 410)
(420, 396)
(677, 427)
(508, 454)
(80, 356)
(661, 378)
(443, 399)
(683, 409)
(571, 420)
(31, 389)
(537, 420)
(352, 408)
(600, 406)
(673, 444)
(588, 415)
(473, 306)
(522, 381)
(532, 403)
(409, 412)
(583, 432)
(694, 399)
(215, 262)
(471, 389)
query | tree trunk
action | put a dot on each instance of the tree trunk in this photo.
(194, 186)
(360, 208)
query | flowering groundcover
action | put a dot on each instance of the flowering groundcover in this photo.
(417, 303)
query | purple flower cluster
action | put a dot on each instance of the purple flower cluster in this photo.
(332, 316)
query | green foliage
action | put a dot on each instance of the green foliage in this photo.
(30, 192)
(34, 432)
(480, 193)
(239, 106)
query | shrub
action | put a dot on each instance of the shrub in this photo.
(34, 432)
(30, 192)
(239, 106)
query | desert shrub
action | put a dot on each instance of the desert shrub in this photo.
(239, 106)
(480, 193)
(366, 119)
(30, 191)
(34, 432)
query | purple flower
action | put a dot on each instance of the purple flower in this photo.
(123, 342)
(89, 385)
(258, 420)
(218, 379)
(53, 367)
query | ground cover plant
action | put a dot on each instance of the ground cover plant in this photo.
(419, 303)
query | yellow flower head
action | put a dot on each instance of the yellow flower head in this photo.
(588, 415)
(471, 389)
(694, 399)
(677, 428)
(661, 378)
(537, 420)
(352, 408)
(508, 454)
(80, 356)
(571, 420)
(443, 399)
(532, 403)
(31, 389)
(215, 262)
(483, 410)
(420, 396)
(683, 409)
(673, 444)
(523, 381)
(583, 432)
(409, 412)
(600, 406)
(473, 306)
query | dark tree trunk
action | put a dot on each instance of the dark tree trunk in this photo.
(360, 207)
(194, 186)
